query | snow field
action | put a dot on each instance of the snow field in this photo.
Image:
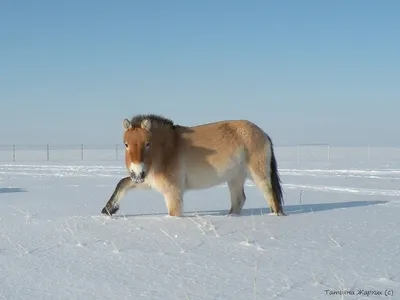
(340, 235)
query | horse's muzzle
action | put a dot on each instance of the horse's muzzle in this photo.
(138, 178)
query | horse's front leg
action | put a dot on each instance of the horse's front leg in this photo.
(120, 190)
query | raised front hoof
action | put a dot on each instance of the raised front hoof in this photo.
(109, 211)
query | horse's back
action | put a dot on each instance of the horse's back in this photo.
(216, 152)
(225, 135)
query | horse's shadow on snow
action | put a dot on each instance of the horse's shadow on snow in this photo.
(288, 209)
(12, 190)
(301, 208)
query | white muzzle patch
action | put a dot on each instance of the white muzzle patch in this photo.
(137, 168)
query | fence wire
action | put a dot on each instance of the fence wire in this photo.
(115, 152)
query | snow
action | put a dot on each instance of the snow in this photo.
(340, 235)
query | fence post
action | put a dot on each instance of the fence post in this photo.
(48, 152)
(13, 150)
(329, 153)
(116, 151)
(81, 151)
(298, 153)
(369, 153)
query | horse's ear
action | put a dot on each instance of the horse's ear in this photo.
(146, 124)
(127, 124)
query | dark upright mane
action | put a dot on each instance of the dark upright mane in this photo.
(156, 121)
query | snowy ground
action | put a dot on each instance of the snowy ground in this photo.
(341, 234)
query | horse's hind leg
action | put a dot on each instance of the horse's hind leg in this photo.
(120, 190)
(263, 184)
(260, 173)
(238, 197)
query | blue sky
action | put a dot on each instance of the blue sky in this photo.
(305, 71)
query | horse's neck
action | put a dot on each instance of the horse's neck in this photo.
(169, 140)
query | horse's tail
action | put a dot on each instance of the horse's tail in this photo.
(276, 182)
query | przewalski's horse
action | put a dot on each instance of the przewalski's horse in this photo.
(173, 159)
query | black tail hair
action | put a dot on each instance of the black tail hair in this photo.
(276, 182)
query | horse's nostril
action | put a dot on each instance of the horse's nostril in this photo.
(140, 176)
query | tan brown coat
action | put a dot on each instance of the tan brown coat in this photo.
(173, 159)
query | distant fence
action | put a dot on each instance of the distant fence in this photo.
(49, 152)
(115, 152)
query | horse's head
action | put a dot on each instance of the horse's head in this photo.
(137, 140)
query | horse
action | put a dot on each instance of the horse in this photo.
(172, 158)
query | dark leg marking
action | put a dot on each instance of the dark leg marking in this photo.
(112, 205)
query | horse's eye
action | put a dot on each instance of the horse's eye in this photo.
(126, 145)
(147, 144)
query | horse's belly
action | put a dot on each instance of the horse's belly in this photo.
(202, 177)
(203, 181)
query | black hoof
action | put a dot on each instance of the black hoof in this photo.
(109, 210)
